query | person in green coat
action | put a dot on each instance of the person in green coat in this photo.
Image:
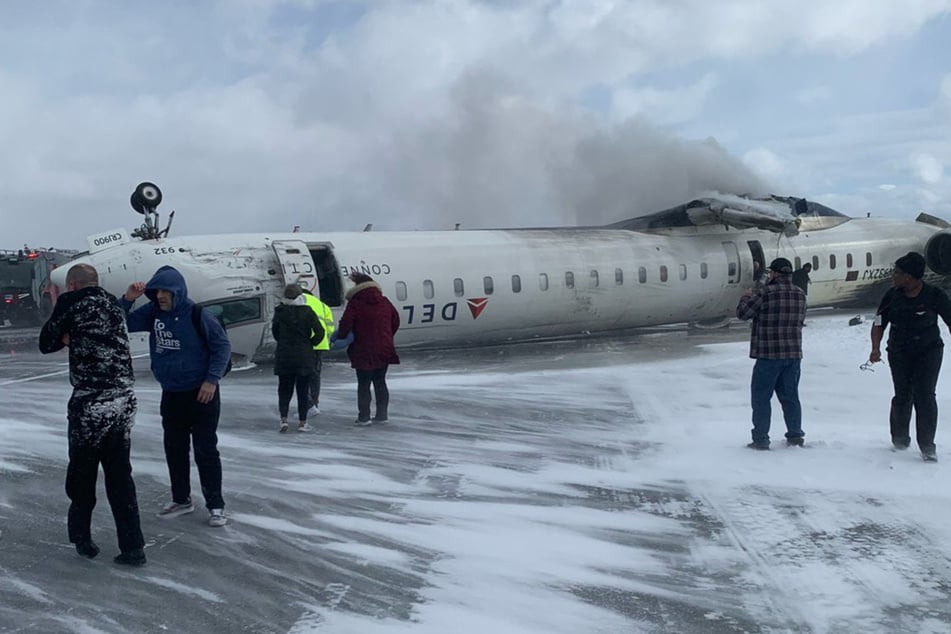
(326, 318)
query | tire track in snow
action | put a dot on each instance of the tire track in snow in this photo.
(857, 562)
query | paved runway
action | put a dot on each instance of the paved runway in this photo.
(517, 489)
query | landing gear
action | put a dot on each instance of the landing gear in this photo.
(146, 197)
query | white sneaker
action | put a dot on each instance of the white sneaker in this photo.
(304, 427)
(362, 423)
(217, 518)
(174, 509)
(313, 411)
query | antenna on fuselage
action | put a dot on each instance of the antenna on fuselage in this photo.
(145, 200)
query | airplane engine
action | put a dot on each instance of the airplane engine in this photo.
(938, 252)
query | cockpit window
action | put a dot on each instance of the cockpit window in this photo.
(236, 311)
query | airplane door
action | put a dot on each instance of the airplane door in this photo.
(328, 275)
(759, 260)
(297, 266)
(732, 262)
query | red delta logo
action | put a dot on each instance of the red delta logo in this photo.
(431, 313)
(477, 305)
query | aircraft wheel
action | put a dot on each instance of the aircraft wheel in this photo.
(147, 196)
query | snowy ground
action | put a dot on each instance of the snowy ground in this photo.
(597, 486)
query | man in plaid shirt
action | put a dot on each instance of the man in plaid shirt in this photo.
(778, 309)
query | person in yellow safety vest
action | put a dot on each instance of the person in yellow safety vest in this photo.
(327, 321)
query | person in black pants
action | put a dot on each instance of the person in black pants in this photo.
(190, 353)
(372, 321)
(296, 329)
(915, 351)
(100, 413)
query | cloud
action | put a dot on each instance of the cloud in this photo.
(765, 163)
(262, 114)
(813, 95)
(663, 107)
(849, 26)
(944, 92)
(928, 168)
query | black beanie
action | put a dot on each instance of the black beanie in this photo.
(912, 263)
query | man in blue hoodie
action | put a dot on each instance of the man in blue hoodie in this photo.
(188, 365)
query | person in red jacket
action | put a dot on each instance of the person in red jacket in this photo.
(372, 320)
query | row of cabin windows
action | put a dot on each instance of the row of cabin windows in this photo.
(832, 261)
(594, 281)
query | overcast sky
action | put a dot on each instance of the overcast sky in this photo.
(258, 115)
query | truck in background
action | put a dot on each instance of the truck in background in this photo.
(26, 293)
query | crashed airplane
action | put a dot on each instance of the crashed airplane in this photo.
(687, 264)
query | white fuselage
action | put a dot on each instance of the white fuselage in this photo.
(461, 288)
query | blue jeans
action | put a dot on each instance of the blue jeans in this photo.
(782, 377)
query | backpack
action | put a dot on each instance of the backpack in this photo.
(196, 322)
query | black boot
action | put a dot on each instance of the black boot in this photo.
(131, 558)
(87, 549)
(900, 443)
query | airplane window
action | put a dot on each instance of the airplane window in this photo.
(797, 263)
(543, 281)
(832, 261)
(428, 289)
(236, 311)
(641, 274)
(516, 284)
(570, 279)
(401, 291)
(595, 280)
(815, 263)
(848, 260)
(488, 285)
(663, 273)
(618, 276)
(683, 271)
(868, 259)
(458, 287)
(703, 270)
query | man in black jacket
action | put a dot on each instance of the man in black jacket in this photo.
(100, 412)
(800, 277)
